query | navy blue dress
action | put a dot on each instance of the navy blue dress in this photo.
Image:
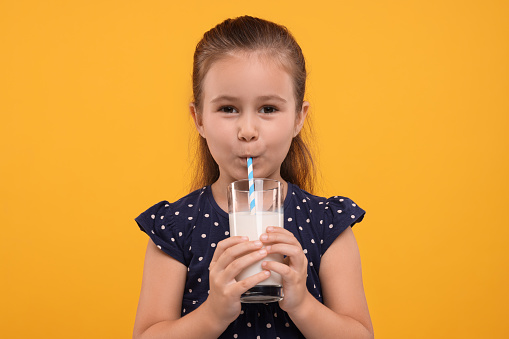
(190, 228)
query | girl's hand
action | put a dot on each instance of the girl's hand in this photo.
(231, 256)
(293, 269)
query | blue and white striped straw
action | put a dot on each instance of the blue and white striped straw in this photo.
(251, 185)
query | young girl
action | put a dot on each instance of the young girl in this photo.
(248, 82)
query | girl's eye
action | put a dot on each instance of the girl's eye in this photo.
(228, 109)
(268, 109)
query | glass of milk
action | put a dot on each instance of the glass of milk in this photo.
(252, 222)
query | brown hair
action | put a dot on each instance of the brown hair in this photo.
(249, 34)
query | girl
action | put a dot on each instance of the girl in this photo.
(248, 82)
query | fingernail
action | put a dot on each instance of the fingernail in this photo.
(264, 237)
(262, 251)
(258, 243)
(270, 229)
(264, 263)
(245, 238)
(267, 273)
(268, 248)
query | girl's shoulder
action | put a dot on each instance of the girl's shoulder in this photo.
(169, 224)
(332, 212)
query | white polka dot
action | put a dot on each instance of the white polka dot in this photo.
(258, 314)
(242, 312)
(293, 193)
(287, 325)
(310, 211)
(321, 241)
(352, 216)
(153, 216)
(203, 235)
(269, 325)
(257, 337)
(189, 247)
(163, 227)
(184, 310)
(162, 216)
(235, 335)
(298, 207)
(216, 223)
(213, 245)
(189, 218)
(305, 251)
(177, 213)
(206, 215)
(321, 222)
(307, 220)
(326, 207)
(248, 324)
(303, 200)
(331, 226)
(200, 258)
(190, 205)
(152, 232)
(172, 239)
(314, 285)
(300, 228)
(275, 315)
(226, 233)
(340, 211)
(190, 291)
(320, 203)
(290, 219)
(199, 279)
(341, 200)
(167, 205)
(312, 241)
(354, 205)
(194, 227)
(194, 302)
(310, 264)
(158, 246)
(180, 234)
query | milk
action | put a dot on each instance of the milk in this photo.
(253, 226)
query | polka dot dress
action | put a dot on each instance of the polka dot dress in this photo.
(190, 229)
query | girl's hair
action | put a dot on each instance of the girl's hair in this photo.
(248, 34)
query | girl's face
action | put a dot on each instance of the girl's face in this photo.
(249, 110)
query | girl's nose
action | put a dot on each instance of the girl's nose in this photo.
(248, 130)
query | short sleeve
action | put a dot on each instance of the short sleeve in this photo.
(340, 212)
(159, 224)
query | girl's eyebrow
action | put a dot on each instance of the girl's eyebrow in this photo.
(260, 98)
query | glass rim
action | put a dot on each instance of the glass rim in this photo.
(280, 184)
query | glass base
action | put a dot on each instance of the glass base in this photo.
(262, 294)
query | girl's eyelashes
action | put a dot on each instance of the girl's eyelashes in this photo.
(268, 109)
(228, 109)
(265, 109)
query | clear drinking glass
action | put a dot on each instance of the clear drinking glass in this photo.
(268, 211)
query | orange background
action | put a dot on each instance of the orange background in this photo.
(410, 110)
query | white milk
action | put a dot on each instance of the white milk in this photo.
(253, 226)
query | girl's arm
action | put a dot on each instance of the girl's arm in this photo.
(159, 307)
(344, 313)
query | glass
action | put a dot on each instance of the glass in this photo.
(268, 211)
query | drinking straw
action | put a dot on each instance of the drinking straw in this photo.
(251, 185)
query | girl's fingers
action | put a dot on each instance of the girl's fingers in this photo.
(278, 235)
(239, 264)
(249, 282)
(229, 254)
(226, 243)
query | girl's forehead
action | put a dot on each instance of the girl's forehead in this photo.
(247, 72)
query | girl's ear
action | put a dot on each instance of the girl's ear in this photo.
(198, 121)
(301, 118)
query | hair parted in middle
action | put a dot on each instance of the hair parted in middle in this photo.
(249, 34)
